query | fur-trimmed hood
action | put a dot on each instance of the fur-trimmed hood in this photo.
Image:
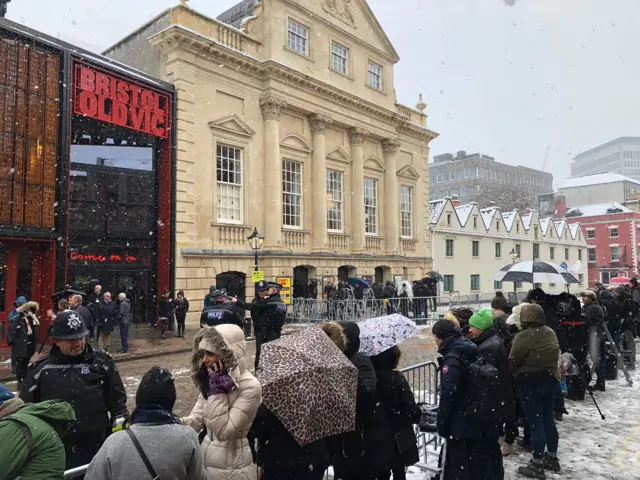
(336, 333)
(28, 306)
(514, 318)
(226, 341)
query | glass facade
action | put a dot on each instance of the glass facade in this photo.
(112, 213)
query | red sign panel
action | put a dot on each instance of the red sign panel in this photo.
(113, 100)
(110, 256)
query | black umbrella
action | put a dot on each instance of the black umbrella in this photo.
(534, 272)
(66, 294)
(435, 275)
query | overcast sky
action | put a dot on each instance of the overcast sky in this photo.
(507, 81)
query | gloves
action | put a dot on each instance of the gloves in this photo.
(119, 423)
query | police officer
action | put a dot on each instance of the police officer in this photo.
(87, 379)
(269, 315)
(220, 310)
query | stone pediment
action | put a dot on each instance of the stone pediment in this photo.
(339, 154)
(295, 141)
(232, 124)
(374, 164)
(408, 172)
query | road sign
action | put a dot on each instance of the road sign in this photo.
(564, 265)
(285, 291)
(257, 276)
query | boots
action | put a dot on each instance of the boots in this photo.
(599, 385)
(550, 463)
(533, 470)
(507, 449)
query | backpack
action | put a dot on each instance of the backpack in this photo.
(483, 391)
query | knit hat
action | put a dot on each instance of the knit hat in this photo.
(482, 320)
(157, 388)
(499, 302)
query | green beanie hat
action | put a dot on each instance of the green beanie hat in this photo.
(482, 320)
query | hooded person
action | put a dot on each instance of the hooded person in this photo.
(23, 337)
(209, 298)
(30, 437)
(368, 450)
(401, 409)
(228, 401)
(534, 363)
(157, 431)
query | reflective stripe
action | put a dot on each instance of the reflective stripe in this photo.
(61, 366)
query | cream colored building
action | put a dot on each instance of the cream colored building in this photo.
(288, 121)
(470, 245)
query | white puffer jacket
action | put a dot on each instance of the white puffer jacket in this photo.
(227, 417)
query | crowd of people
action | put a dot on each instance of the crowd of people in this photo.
(499, 367)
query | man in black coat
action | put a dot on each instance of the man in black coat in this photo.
(270, 315)
(93, 304)
(87, 379)
(594, 317)
(471, 446)
(108, 319)
(75, 304)
(220, 311)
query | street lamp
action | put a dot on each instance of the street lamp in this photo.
(513, 254)
(255, 241)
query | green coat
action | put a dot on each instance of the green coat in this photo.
(534, 352)
(46, 458)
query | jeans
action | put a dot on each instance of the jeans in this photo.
(538, 400)
(124, 337)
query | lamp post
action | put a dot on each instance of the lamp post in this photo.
(513, 254)
(255, 241)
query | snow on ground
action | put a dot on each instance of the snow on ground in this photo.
(592, 448)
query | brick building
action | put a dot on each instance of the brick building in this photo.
(613, 234)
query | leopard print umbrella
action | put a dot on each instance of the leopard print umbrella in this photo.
(309, 384)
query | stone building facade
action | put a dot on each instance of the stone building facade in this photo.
(288, 122)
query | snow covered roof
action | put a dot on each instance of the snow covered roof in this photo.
(597, 209)
(435, 209)
(463, 212)
(560, 226)
(596, 179)
(487, 215)
(573, 229)
(526, 220)
(509, 218)
(544, 225)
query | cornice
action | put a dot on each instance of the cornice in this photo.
(179, 38)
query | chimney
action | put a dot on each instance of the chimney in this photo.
(559, 205)
(455, 201)
(491, 204)
(460, 154)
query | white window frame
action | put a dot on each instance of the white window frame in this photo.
(591, 233)
(332, 193)
(406, 215)
(591, 252)
(371, 209)
(439, 178)
(374, 75)
(617, 253)
(612, 230)
(452, 176)
(226, 186)
(338, 58)
(288, 190)
(298, 36)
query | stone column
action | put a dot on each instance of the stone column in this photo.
(390, 148)
(356, 138)
(319, 124)
(272, 187)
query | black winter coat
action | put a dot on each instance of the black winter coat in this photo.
(365, 451)
(181, 309)
(454, 376)
(269, 313)
(108, 316)
(90, 382)
(85, 314)
(420, 291)
(220, 313)
(400, 407)
(492, 349)
(22, 344)
(165, 307)
(594, 317)
(277, 449)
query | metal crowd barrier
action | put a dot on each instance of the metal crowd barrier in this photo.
(425, 384)
(421, 309)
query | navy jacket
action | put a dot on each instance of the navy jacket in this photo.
(452, 420)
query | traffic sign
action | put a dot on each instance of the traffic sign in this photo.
(564, 265)
(257, 276)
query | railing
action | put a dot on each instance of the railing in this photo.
(408, 245)
(373, 244)
(295, 238)
(231, 38)
(338, 241)
(231, 234)
(404, 111)
(423, 310)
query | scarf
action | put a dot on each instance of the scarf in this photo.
(220, 382)
(148, 413)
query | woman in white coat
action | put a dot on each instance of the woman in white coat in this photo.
(228, 401)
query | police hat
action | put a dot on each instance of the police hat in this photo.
(219, 293)
(274, 285)
(262, 286)
(68, 325)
